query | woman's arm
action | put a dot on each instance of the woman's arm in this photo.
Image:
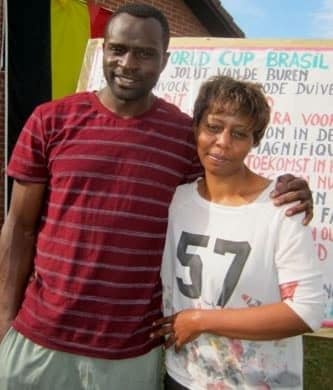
(267, 322)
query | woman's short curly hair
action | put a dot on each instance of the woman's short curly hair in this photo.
(242, 98)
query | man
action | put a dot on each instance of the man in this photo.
(81, 248)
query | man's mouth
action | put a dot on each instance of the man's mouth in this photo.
(125, 81)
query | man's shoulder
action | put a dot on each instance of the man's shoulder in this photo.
(66, 103)
(174, 112)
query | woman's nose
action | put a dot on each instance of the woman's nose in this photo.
(223, 138)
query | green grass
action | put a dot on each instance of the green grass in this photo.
(318, 361)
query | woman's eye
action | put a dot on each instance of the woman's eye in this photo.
(213, 128)
(239, 134)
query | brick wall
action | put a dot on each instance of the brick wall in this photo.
(182, 21)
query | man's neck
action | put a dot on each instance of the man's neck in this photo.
(125, 108)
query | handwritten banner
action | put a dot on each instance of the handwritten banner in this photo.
(297, 77)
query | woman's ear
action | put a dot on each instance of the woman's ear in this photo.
(195, 129)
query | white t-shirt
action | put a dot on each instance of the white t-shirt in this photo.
(225, 256)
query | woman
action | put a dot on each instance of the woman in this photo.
(240, 279)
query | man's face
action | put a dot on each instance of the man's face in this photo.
(133, 56)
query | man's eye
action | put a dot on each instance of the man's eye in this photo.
(117, 50)
(145, 53)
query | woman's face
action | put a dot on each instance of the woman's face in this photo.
(223, 142)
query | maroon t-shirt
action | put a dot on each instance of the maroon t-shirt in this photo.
(109, 180)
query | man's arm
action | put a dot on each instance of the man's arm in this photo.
(17, 247)
(290, 189)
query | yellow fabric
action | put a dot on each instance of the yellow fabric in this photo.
(70, 31)
(63, 2)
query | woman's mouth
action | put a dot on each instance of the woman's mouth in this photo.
(217, 157)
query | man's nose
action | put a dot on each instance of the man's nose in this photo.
(129, 60)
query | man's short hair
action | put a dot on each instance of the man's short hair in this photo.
(140, 10)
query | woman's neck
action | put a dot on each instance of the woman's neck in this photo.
(236, 190)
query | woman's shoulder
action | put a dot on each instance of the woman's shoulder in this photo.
(183, 194)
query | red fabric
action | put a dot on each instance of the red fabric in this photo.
(109, 181)
(98, 19)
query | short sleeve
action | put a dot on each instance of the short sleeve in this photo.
(28, 160)
(299, 274)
